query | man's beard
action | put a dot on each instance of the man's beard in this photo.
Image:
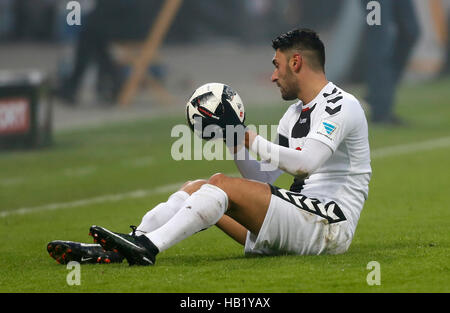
(290, 89)
(289, 92)
(288, 96)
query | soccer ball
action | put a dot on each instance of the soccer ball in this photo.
(208, 100)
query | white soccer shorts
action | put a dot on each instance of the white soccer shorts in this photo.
(296, 224)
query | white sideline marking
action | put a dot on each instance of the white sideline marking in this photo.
(75, 172)
(101, 199)
(11, 181)
(375, 154)
(138, 162)
(79, 171)
(410, 147)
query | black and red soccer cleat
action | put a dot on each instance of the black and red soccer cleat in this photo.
(65, 251)
(138, 250)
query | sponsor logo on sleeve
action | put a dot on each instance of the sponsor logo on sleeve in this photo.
(328, 129)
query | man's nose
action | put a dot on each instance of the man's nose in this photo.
(274, 77)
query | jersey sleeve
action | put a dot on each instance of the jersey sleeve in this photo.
(335, 122)
(263, 171)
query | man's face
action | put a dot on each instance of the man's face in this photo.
(284, 77)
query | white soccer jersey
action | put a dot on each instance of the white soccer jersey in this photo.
(336, 119)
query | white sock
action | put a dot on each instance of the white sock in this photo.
(160, 214)
(201, 210)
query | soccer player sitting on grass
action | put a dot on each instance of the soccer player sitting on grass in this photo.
(322, 142)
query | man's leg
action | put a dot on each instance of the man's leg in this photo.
(233, 229)
(66, 251)
(248, 200)
(380, 40)
(408, 32)
(245, 201)
(84, 52)
(163, 212)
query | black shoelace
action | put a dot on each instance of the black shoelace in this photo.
(133, 228)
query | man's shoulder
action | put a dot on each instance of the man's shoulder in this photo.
(348, 98)
(351, 100)
(339, 102)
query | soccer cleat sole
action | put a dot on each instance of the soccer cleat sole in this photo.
(113, 242)
(64, 252)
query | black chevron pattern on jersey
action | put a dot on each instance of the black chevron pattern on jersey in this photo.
(329, 94)
(335, 100)
(333, 111)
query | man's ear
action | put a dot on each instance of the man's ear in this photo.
(296, 62)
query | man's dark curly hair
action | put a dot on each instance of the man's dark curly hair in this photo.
(306, 41)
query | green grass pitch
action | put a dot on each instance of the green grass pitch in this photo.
(404, 226)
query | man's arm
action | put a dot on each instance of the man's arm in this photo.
(251, 168)
(298, 163)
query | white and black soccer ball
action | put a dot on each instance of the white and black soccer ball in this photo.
(208, 100)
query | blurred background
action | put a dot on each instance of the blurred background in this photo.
(90, 69)
(87, 114)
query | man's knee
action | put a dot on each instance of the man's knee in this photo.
(218, 179)
(192, 186)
